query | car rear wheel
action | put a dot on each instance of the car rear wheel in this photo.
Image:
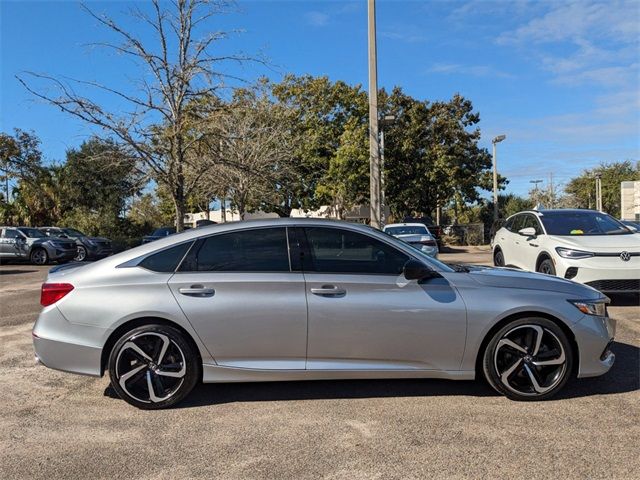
(528, 359)
(498, 258)
(547, 266)
(39, 256)
(81, 254)
(153, 367)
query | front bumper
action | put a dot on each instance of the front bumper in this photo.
(61, 254)
(97, 253)
(62, 345)
(594, 335)
(607, 274)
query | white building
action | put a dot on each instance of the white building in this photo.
(630, 200)
(231, 216)
(356, 214)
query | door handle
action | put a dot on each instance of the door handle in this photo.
(329, 291)
(197, 291)
(533, 244)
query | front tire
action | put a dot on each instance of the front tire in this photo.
(39, 256)
(81, 254)
(528, 359)
(547, 266)
(153, 367)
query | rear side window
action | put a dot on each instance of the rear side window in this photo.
(334, 250)
(166, 260)
(258, 250)
(10, 233)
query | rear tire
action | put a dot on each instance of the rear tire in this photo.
(528, 359)
(39, 256)
(498, 258)
(153, 367)
(81, 254)
(547, 266)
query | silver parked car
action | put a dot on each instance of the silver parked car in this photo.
(303, 299)
(30, 244)
(415, 234)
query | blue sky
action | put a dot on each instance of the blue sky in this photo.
(560, 79)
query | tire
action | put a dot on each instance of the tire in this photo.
(498, 258)
(547, 266)
(39, 256)
(81, 256)
(137, 360)
(516, 366)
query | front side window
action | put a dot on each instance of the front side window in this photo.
(530, 221)
(334, 250)
(32, 232)
(256, 250)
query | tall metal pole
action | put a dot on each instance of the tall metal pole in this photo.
(382, 199)
(598, 193)
(374, 148)
(495, 183)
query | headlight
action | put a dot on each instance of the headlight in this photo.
(588, 307)
(573, 254)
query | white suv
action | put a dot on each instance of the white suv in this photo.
(586, 246)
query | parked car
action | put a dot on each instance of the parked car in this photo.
(435, 230)
(30, 244)
(415, 234)
(307, 299)
(586, 246)
(635, 226)
(87, 248)
(204, 223)
(160, 233)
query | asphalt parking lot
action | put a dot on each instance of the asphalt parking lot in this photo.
(56, 425)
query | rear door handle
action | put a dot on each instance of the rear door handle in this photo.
(329, 291)
(197, 291)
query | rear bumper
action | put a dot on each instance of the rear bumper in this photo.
(66, 346)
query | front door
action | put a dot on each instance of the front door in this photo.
(239, 292)
(363, 313)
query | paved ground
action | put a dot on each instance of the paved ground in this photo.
(55, 425)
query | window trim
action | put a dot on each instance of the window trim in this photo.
(306, 251)
(199, 241)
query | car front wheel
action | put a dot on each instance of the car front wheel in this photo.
(39, 256)
(153, 367)
(546, 266)
(81, 254)
(528, 359)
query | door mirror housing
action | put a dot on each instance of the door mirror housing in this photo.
(415, 270)
(527, 232)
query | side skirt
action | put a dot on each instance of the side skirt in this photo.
(217, 374)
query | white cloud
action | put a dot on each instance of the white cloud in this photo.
(317, 19)
(472, 70)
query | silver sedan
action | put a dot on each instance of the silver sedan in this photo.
(309, 299)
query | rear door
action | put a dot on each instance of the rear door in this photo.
(9, 244)
(240, 294)
(363, 313)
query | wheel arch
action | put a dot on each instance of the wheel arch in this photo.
(139, 322)
(527, 314)
(544, 255)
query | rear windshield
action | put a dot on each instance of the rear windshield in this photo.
(582, 223)
(407, 230)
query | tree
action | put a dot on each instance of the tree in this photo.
(581, 189)
(178, 69)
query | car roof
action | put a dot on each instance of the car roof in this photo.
(540, 213)
(406, 225)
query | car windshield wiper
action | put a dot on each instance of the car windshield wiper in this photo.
(458, 267)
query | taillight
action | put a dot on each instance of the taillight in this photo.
(430, 243)
(52, 292)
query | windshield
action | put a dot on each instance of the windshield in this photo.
(407, 230)
(582, 223)
(72, 232)
(32, 232)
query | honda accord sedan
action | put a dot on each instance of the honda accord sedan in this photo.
(306, 299)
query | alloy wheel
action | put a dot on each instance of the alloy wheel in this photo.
(81, 254)
(150, 367)
(39, 257)
(530, 360)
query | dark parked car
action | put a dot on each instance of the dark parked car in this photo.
(87, 248)
(30, 244)
(159, 233)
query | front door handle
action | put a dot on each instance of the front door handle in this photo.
(329, 291)
(197, 291)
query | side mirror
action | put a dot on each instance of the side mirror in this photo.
(527, 232)
(415, 270)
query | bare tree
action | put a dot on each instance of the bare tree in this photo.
(252, 162)
(178, 72)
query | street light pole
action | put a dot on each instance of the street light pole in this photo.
(384, 122)
(374, 148)
(496, 140)
(535, 191)
(598, 192)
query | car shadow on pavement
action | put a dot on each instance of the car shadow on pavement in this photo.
(16, 272)
(623, 377)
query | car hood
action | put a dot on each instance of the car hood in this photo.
(512, 278)
(601, 243)
(98, 239)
